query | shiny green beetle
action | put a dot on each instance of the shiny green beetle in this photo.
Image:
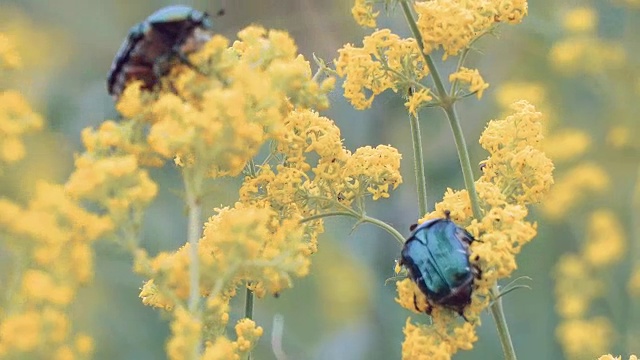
(148, 51)
(437, 258)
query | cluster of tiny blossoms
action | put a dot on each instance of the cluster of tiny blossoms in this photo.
(212, 118)
(577, 281)
(516, 174)
(51, 261)
(46, 246)
(16, 116)
(385, 61)
(454, 24)
(388, 62)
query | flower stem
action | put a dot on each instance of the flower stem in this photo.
(194, 209)
(418, 164)
(361, 218)
(248, 304)
(416, 34)
(248, 299)
(501, 324)
(447, 103)
(465, 163)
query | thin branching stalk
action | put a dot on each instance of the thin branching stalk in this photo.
(447, 103)
(248, 304)
(248, 299)
(194, 214)
(418, 164)
(361, 219)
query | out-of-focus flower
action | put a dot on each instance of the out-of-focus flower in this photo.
(582, 51)
(583, 337)
(566, 144)
(606, 241)
(17, 119)
(574, 185)
(580, 20)
(363, 13)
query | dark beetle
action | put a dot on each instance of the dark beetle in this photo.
(437, 258)
(166, 35)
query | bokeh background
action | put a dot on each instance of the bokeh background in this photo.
(344, 309)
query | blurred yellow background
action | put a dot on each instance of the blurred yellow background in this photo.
(574, 60)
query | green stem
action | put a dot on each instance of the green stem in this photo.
(194, 209)
(248, 300)
(447, 104)
(465, 163)
(416, 34)
(501, 324)
(361, 218)
(418, 164)
(248, 305)
(381, 224)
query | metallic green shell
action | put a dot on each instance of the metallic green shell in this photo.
(437, 257)
(177, 13)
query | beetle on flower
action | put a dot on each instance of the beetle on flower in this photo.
(437, 258)
(152, 45)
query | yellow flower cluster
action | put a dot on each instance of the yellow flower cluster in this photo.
(424, 342)
(582, 51)
(340, 177)
(611, 357)
(46, 245)
(51, 261)
(516, 174)
(247, 334)
(363, 13)
(17, 118)
(239, 244)
(212, 119)
(454, 24)
(517, 164)
(385, 61)
(471, 77)
(221, 119)
(116, 183)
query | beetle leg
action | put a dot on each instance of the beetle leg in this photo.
(477, 272)
(427, 310)
(415, 303)
(182, 57)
